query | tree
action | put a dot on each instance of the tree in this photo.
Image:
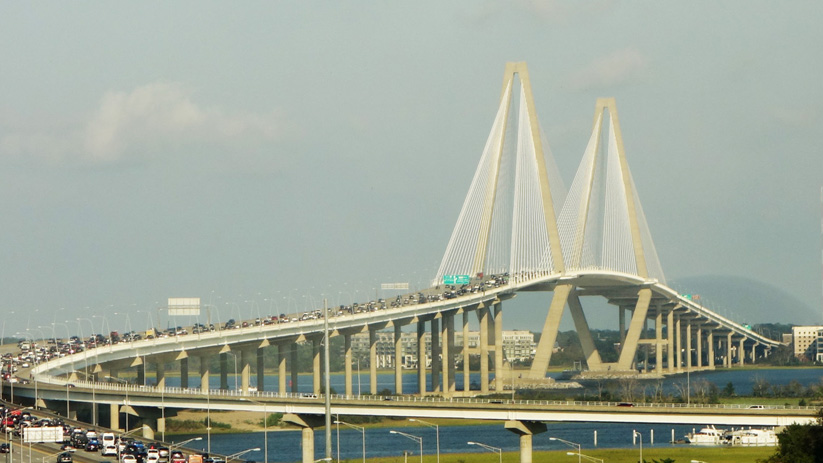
(800, 443)
(728, 391)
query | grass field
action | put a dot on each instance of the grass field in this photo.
(683, 454)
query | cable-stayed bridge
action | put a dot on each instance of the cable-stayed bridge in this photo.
(519, 230)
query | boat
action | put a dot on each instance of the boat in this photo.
(706, 436)
(752, 437)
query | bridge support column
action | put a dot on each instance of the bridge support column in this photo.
(141, 374)
(421, 358)
(204, 373)
(294, 368)
(224, 370)
(465, 352)
(114, 417)
(398, 358)
(526, 429)
(184, 373)
(372, 360)
(316, 347)
(628, 351)
(483, 318)
(678, 343)
(754, 348)
(435, 349)
(245, 369)
(307, 423)
(658, 340)
(160, 373)
(699, 338)
(347, 360)
(543, 354)
(498, 347)
(447, 350)
(710, 344)
(689, 345)
(729, 345)
(621, 323)
(583, 333)
(261, 369)
(281, 369)
(741, 352)
(670, 335)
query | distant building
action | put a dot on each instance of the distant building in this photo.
(808, 342)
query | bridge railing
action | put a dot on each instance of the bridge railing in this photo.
(405, 399)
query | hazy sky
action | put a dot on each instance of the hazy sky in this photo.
(261, 154)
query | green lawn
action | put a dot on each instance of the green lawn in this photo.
(684, 454)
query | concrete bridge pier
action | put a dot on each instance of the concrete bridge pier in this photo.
(689, 345)
(398, 357)
(498, 347)
(184, 373)
(526, 429)
(224, 370)
(710, 343)
(307, 423)
(261, 368)
(281, 369)
(678, 344)
(160, 372)
(658, 340)
(421, 358)
(741, 352)
(435, 350)
(246, 355)
(483, 319)
(373, 360)
(699, 339)
(729, 345)
(294, 369)
(447, 353)
(204, 372)
(670, 335)
(316, 369)
(114, 417)
(465, 352)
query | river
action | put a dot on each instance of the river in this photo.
(284, 446)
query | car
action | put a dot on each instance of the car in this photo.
(109, 450)
(757, 407)
(64, 457)
(127, 458)
(625, 404)
(4, 448)
(92, 445)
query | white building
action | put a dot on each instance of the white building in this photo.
(808, 342)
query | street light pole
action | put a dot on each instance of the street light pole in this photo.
(362, 429)
(265, 428)
(436, 430)
(570, 443)
(417, 439)
(497, 450)
(635, 433)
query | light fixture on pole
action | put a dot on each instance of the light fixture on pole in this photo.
(497, 450)
(243, 452)
(635, 433)
(265, 428)
(585, 456)
(417, 439)
(570, 443)
(359, 428)
(436, 430)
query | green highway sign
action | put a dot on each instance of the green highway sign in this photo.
(456, 279)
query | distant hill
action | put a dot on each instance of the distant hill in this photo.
(745, 300)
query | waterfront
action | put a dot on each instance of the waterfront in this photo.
(284, 446)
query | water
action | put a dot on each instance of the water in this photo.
(284, 446)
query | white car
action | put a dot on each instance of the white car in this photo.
(109, 450)
(128, 458)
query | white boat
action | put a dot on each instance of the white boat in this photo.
(706, 436)
(752, 437)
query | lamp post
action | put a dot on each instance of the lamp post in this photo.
(243, 452)
(126, 403)
(436, 430)
(359, 428)
(93, 398)
(265, 428)
(635, 433)
(570, 443)
(498, 450)
(180, 444)
(417, 439)
(585, 456)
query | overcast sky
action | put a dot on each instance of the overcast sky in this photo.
(268, 154)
